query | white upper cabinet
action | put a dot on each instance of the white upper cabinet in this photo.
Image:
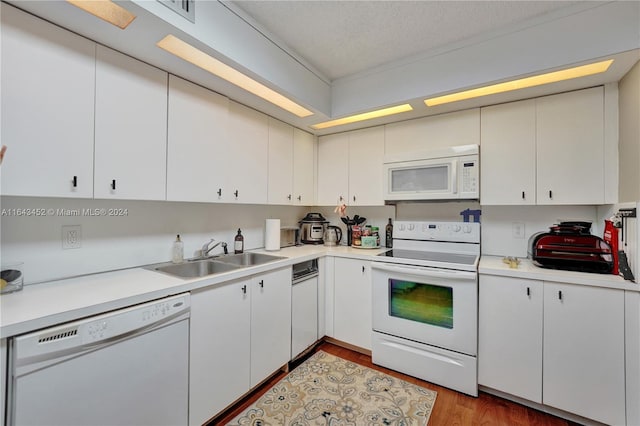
(439, 131)
(570, 147)
(48, 81)
(131, 130)
(197, 138)
(350, 168)
(303, 167)
(508, 153)
(549, 150)
(246, 154)
(333, 169)
(280, 162)
(366, 155)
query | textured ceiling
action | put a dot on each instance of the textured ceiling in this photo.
(341, 38)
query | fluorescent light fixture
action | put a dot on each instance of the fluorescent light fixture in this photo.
(536, 80)
(184, 50)
(364, 116)
(106, 10)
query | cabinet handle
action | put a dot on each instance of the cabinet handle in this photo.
(75, 181)
(363, 269)
(354, 198)
(551, 194)
(289, 197)
(261, 283)
(236, 193)
(113, 184)
(523, 195)
(341, 199)
(528, 291)
(299, 197)
(244, 289)
(219, 192)
(560, 295)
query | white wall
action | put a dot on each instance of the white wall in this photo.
(144, 235)
(629, 145)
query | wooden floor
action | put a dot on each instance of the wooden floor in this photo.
(451, 407)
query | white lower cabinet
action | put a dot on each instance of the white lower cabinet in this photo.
(554, 343)
(510, 336)
(240, 334)
(352, 302)
(584, 351)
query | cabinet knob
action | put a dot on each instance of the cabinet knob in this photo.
(354, 198)
(551, 194)
(261, 283)
(560, 295)
(75, 181)
(113, 184)
(299, 197)
(236, 193)
(289, 197)
(523, 195)
(219, 192)
(528, 291)
(341, 199)
(363, 269)
(244, 289)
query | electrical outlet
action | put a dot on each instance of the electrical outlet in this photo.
(517, 230)
(71, 236)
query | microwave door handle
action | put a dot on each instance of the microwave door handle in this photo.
(454, 176)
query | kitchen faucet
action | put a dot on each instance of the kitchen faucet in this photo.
(206, 249)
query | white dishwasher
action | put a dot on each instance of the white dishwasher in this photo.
(304, 307)
(126, 367)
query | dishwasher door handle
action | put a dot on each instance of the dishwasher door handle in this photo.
(298, 280)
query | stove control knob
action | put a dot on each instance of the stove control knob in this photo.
(456, 228)
(411, 227)
(402, 226)
(467, 229)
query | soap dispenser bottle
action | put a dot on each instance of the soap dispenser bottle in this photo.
(238, 245)
(178, 250)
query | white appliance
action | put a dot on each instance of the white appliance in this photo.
(304, 307)
(442, 174)
(425, 303)
(127, 367)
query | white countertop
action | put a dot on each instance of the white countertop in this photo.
(42, 305)
(493, 265)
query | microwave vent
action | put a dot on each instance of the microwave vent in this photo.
(184, 8)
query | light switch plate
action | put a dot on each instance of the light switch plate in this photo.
(71, 236)
(517, 230)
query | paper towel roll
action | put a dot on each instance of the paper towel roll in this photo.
(272, 234)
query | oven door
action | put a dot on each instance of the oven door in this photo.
(434, 306)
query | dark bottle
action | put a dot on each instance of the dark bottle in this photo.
(388, 234)
(238, 244)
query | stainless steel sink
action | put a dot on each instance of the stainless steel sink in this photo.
(248, 259)
(195, 269)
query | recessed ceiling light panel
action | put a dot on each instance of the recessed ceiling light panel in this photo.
(364, 116)
(107, 11)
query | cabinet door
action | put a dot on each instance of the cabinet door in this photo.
(584, 351)
(352, 302)
(197, 138)
(366, 155)
(48, 83)
(570, 148)
(303, 162)
(270, 323)
(280, 162)
(508, 153)
(246, 154)
(510, 336)
(219, 349)
(131, 129)
(333, 169)
(439, 131)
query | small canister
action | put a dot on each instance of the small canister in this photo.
(375, 232)
(356, 235)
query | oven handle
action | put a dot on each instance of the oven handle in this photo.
(424, 271)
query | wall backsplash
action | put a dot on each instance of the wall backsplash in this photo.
(142, 235)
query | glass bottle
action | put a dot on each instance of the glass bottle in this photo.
(238, 244)
(388, 234)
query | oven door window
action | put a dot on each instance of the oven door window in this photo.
(425, 303)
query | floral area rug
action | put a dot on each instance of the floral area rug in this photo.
(327, 390)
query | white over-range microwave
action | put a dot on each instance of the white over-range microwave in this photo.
(443, 174)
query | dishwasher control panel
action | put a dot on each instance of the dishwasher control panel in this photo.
(102, 328)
